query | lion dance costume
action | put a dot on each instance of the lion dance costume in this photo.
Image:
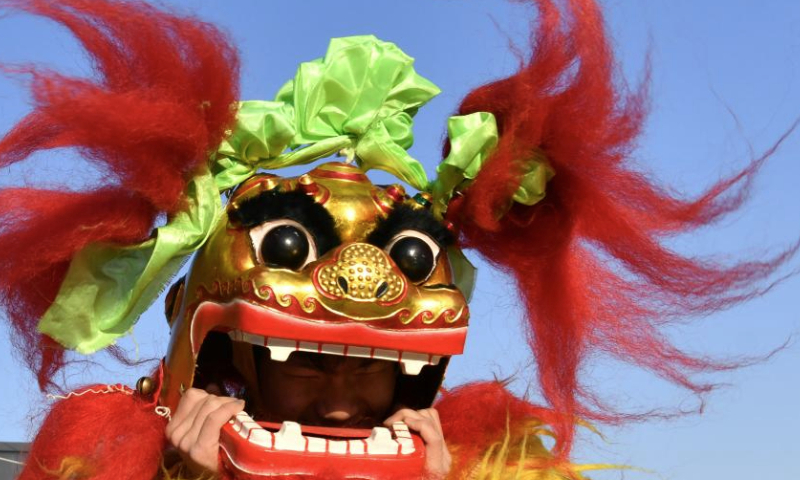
(534, 177)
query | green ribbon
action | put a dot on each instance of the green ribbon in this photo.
(359, 100)
(108, 287)
(473, 138)
(532, 186)
(364, 92)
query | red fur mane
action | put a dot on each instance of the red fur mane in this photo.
(589, 260)
(160, 101)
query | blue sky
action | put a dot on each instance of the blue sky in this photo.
(724, 82)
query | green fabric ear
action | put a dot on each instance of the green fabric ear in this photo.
(532, 185)
(473, 138)
(107, 287)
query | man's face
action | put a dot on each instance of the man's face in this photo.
(327, 390)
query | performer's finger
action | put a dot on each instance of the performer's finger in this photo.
(209, 405)
(426, 422)
(434, 416)
(446, 459)
(188, 401)
(208, 434)
(400, 415)
(419, 423)
(205, 449)
(182, 419)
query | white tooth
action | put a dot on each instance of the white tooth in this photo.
(332, 349)
(413, 362)
(412, 367)
(261, 437)
(248, 427)
(403, 438)
(390, 355)
(361, 352)
(356, 447)
(289, 437)
(309, 347)
(281, 348)
(380, 442)
(316, 444)
(254, 339)
(243, 417)
(379, 434)
(239, 336)
(235, 335)
(406, 446)
(337, 446)
(401, 430)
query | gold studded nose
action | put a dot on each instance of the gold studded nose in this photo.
(360, 272)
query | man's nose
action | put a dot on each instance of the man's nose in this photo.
(339, 415)
(339, 403)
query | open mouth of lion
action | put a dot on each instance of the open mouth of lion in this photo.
(230, 340)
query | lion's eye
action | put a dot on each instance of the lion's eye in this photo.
(283, 244)
(414, 253)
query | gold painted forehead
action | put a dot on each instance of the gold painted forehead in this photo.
(356, 206)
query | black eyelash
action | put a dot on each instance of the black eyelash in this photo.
(407, 218)
(297, 206)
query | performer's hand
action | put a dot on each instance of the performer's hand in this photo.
(426, 422)
(195, 426)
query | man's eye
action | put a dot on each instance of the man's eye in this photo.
(373, 368)
(414, 253)
(302, 372)
(283, 244)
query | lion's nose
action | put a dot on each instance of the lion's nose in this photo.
(360, 272)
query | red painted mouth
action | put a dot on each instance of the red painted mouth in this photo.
(254, 321)
(259, 449)
(255, 450)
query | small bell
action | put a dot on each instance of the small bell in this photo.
(145, 386)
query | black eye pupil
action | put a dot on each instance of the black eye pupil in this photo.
(414, 257)
(285, 246)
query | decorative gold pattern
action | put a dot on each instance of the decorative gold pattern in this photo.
(361, 273)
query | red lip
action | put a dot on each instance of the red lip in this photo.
(251, 461)
(257, 320)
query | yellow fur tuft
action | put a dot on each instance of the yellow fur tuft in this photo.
(71, 468)
(178, 471)
(525, 457)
